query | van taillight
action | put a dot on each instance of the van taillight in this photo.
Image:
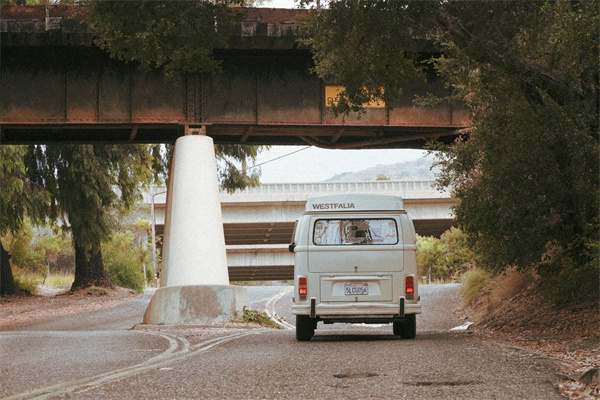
(410, 287)
(302, 287)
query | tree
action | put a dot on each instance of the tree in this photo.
(446, 258)
(176, 36)
(82, 180)
(232, 166)
(18, 244)
(18, 197)
(526, 177)
(430, 257)
(123, 263)
(365, 46)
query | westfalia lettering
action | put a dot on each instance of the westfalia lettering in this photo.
(332, 206)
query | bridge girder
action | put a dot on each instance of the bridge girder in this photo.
(58, 87)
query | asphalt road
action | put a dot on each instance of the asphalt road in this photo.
(98, 355)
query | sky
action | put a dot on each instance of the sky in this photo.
(311, 164)
(279, 4)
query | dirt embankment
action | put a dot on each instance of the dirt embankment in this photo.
(512, 309)
(53, 302)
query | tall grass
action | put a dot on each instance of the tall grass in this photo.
(509, 283)
(60, 278)
(472, 283)
(27, 281)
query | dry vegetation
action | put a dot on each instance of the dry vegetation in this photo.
(512, 308)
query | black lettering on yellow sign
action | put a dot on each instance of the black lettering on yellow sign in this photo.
(332, 97)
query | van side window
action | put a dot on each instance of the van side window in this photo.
(329, 232)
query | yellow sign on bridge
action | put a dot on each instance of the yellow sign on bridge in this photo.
(332, 95)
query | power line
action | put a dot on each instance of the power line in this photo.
(278, 158)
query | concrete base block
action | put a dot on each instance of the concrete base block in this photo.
(195, 304)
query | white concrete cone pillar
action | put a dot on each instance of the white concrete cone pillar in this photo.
(194, 279)
(194, 244)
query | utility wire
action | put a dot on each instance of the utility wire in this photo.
(278, 158)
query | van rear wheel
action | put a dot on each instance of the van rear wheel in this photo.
(407, 328)
(305, 328)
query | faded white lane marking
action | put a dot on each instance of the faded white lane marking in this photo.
(271, 312)
(165, 358)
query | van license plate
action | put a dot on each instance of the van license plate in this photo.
(351, 289)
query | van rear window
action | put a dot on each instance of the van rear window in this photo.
(355, 232)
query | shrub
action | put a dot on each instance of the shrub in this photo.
(18, 244)
(430, 257)
(125, 272)
(257, 317)
(26, 281)
(446, 258)
(565, 280)
(122, 263)
(472, 283)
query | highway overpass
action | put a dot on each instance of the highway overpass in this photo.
(259, 222)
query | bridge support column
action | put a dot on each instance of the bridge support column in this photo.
(194, 279)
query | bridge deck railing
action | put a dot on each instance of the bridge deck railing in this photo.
(337, 187)
(416, 189)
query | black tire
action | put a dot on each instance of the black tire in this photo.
(407, 328)
(305, 328)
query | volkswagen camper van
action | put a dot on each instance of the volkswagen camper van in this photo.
(355, 262)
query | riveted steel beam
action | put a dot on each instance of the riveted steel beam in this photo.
(68, 90)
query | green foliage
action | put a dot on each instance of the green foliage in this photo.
(231, 177)
(19, 196)
(18, 245)
(39, 251)
(83, 181)
(178, 36)
(566, 281)
(459, 251)
(134, 232)
(446, 258)
(431, 254)
(365, 46)
(12, 170)
(472, 283)
(258, 317)
(125, 273)
(122, 262)
(54, 249)
(526, 177)
(26, 281)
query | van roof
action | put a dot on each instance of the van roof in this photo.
(354, 202)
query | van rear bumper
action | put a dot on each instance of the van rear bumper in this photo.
(355, 310)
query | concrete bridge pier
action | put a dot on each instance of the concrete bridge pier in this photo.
(194, 277)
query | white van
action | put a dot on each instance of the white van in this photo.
(355, 262)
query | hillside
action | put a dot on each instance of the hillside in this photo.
(419, 169)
